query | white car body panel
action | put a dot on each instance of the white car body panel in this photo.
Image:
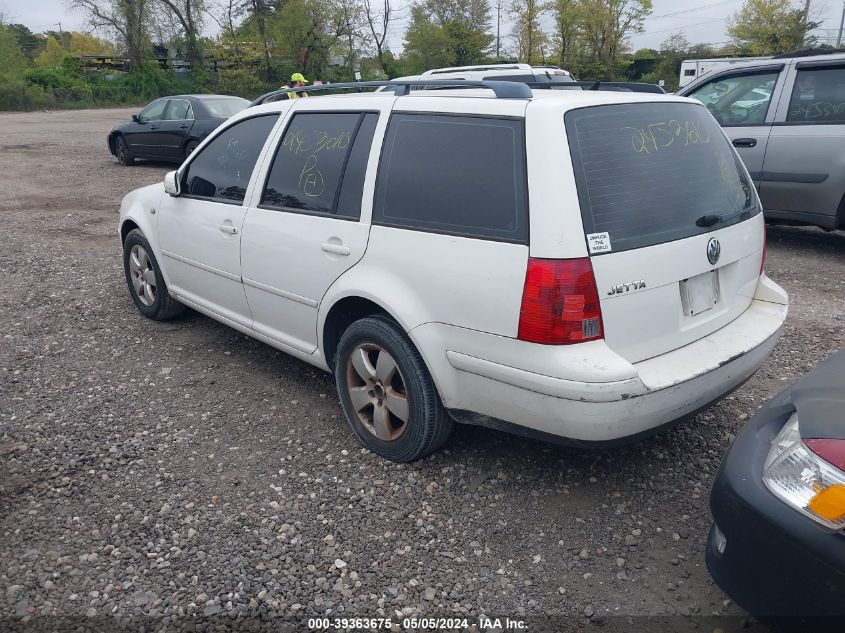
(587, 392)
(285, 267)
(459, 298)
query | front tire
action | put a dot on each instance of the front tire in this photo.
(387, 394)
(144, 279)
(121, 150)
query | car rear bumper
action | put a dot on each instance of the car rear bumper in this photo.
(775, 560)
(585, 392)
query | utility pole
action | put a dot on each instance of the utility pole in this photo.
(806, 12)
(499, 26)
(841, 24)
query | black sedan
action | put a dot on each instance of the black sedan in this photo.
(777, 545)
(170, 128)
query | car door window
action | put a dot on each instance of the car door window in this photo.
(221, 171)
(740, 99)
(459, 175)
(818, 96)
(154, 111)
(179, 110)
(321, 163)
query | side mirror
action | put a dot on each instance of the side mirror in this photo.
(136, 118)
(171, 183)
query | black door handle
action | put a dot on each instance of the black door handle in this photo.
(745, 142)
(184, 125)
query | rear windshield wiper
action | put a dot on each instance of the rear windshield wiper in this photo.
(712, 220)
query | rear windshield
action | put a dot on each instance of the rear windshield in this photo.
(650, 173)
(225, 107)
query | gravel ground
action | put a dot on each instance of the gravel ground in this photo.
(182, 469)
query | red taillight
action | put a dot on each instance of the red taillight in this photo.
(763, 259)
(831, 451)
(560, 303)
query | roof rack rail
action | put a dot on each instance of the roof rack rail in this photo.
(614, 86)
(807, 52)
(502, 89)
(478, 68)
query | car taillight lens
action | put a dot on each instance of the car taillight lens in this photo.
(560, 302)
(763, 259)
(798, 473)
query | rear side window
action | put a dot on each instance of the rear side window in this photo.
(454, 174)
(818, 96)
(179, 109)
(221, 171)
(321, 164)
(647, 173)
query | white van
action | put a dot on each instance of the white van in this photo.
(694, 68)
(579, 265)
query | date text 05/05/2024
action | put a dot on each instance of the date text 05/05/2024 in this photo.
(417, 623)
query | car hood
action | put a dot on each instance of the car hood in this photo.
(121, 126)
(819, 399)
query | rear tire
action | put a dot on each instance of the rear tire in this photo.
(121, 150)
(386, 392)
(144, 279)
(190, 146)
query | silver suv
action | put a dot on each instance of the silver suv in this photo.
(786, 117)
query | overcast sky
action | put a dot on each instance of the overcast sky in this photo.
(699, 20)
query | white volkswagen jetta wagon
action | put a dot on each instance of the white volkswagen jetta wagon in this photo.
(580, 265)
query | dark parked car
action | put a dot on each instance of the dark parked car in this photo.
(170, 128)
(777, 545)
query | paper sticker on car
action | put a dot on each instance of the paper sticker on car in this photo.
(599, 242)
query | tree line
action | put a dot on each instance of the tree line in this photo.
(261, 42)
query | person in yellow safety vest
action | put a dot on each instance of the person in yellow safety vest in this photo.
(297, 81)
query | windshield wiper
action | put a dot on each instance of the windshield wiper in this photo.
(711, 220)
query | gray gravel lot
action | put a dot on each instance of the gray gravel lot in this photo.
(178, 469)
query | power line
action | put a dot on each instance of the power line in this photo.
(706, 6)
(683, 26)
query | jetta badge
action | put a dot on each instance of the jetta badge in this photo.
(714, 249)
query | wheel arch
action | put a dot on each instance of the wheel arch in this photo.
(125, 228)
(112, 139)
(343, 313)
(189, 139)
(368, 289)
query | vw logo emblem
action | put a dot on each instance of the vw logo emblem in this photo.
(714, 249)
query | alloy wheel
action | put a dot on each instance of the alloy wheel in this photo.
(142, 274)
(377, 391)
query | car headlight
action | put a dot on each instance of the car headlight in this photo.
(804, 480)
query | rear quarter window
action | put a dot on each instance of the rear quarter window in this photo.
(460, 175)
(818, 96)
(647, 172)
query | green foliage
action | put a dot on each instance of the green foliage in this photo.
(62, 89)
(674, 49)
(71, 66)
(243, 81)
(29, 43)
(590, 36)
(447, 33)
(768, 27)
(149, 82)
(13, 61)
